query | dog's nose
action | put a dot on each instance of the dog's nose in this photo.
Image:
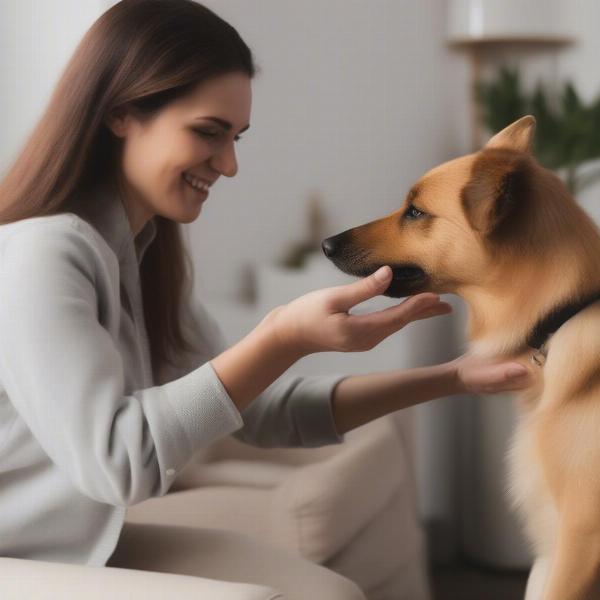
(329, 246)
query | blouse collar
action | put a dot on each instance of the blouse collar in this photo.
(103, 208)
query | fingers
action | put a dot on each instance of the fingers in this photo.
(514, 372)
(518, 376)
(346, 296)
(514, 385)
(395, 317)
(506, 377)
(441, 308)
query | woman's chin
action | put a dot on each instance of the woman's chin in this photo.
(189, 215)
(191, 205)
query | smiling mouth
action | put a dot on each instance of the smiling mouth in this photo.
(199, 191)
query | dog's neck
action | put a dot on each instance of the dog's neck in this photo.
(549, 323)
(534, 302)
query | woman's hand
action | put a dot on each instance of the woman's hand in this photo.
(319, 321)
(479, 375)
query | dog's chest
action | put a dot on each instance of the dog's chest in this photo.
(528, 491)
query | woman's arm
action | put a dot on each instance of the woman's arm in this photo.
(250, 366)
(247, 368)
(361, 398)
(319, 321)
(316, 322)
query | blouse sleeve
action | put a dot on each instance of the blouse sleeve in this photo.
(61, 369)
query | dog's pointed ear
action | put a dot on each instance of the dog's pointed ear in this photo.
(517, 136)
(496, 195)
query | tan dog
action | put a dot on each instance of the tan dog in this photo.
(503, 233)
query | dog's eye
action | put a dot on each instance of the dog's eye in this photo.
(413, 213)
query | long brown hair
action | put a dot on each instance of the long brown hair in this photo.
(144, 53)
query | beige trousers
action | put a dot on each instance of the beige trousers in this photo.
(228, 556)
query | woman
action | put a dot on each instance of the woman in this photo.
(112, 377)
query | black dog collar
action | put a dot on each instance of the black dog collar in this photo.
(552, 321)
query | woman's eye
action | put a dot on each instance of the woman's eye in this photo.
(413, 213)
(213, 134)
(207, 134)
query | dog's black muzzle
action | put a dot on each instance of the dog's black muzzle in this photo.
(407, 278)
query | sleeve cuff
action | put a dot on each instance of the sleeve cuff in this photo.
(202, 406)
(312, 410)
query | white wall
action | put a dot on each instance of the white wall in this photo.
(579, 63)
(356, 99)
(36, 40)
(351, 102)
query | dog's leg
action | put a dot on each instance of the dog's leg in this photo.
(537, 579)
(575, 568)
(569, 455)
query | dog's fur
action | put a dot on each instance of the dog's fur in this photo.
(504, 234)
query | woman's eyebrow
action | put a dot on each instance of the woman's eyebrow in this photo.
(225, 124)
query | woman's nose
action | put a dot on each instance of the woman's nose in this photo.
(225, 161)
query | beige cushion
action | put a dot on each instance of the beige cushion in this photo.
(251, 473)
(231, 508)
(22, 579)
(349, 506)
(384, 547)
(314, 509)
(229, 556)
(324, 505)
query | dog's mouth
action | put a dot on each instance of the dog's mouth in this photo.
(404, 273)
(407, 279)
(407, 273)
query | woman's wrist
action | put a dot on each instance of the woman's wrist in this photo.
(280, 335)
(435, 381)
(247, 368)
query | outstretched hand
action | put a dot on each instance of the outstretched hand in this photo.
(320, 321)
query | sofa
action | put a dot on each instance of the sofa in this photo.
(349, 507)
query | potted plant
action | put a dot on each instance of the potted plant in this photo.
(568, 129)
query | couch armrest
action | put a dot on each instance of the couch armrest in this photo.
(23, 578)
(315, 509)
(323, 505)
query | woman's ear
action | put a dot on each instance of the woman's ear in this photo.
(517, 136)
(118, 120)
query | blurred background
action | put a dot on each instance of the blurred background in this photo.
(355, 100)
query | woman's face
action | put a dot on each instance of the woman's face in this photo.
(192, 137)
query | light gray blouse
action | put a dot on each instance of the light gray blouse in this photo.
(85, 429)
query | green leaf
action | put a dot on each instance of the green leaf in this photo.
(568, 129)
